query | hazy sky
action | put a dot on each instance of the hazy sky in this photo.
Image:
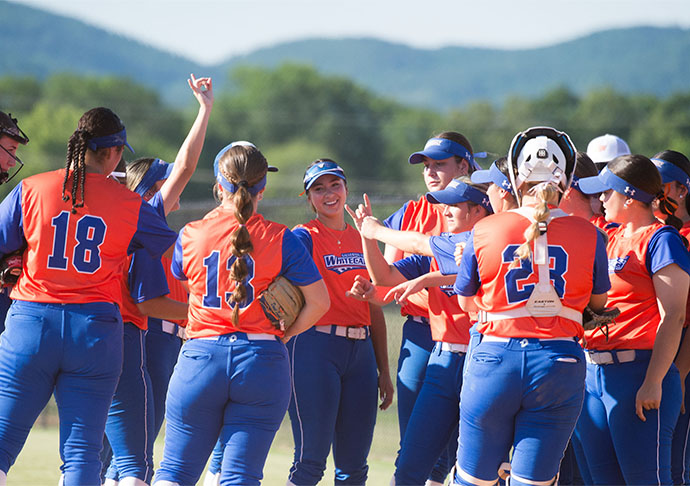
(209, 31)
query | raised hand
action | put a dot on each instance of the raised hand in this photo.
(362, 211)
(202, 89)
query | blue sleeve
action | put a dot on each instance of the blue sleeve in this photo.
(413, 266)
(176, 264)
(11, 223)
(146, 278)
(157, 203)
(468, 282)
(298, 265)
(394, 221)
(304, 236)
(601, 282)
(443, 248)
(153, 233)
(665, 248)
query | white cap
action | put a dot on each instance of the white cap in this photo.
(607, 147)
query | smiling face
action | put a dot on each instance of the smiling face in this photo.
(439, 173)
(327, 195)
(7, 160)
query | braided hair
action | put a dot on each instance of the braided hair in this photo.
(243, 166)
(97, 122)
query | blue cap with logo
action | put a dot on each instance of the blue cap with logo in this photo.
(608, 180)
(322, 168)
(442, 148)
(457, 192)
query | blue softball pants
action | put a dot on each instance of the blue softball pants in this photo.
(680, 449)
(433, 425)
(524, 393)
(5, 303)
(129, 428)
(334, 402)
(620, 448)
(415, 350)
(162, 349)
(74, 351)
(229, 386)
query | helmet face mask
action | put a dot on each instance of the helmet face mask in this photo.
(541, 154)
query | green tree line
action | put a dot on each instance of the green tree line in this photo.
(295, 114)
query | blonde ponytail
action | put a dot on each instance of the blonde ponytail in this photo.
(545, 192)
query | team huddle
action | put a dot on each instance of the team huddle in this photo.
(544, 304)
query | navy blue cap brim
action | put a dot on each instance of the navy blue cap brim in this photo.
(481, 177)
(593, 185)
(445, 197)
(418, 157)
(338, 172)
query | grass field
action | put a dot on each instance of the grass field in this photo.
(39, 462)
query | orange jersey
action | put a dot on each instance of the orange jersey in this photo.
(77, 258)
(448, 322)
(632, 262)
(423, 217)
(339, 258)
(203, 257)
(574, 272)
(685, 231)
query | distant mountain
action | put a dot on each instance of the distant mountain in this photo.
(634, 60)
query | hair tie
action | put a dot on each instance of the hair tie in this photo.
(243, 183)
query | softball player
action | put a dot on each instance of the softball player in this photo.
(434, 420)
(10, 138)
(524, 381)
(674, 168)
(64, 330)
(232, 376)
(630, 371)
(334, 364)
(445, 156)
(130, 428)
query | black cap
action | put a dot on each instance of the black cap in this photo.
(9, 127)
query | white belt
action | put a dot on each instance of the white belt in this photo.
(565, 312)
(454, 348)
(250, 337)
(174, 329)
(350, 332)
(607, 357)
(498, 339)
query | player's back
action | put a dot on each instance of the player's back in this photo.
(74, 258)
(507, 284)
(206, 258)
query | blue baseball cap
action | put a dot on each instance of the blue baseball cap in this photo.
(492, 175)
(608, 180)
(159, 170)
(442, 148)
(458, 192)
(671, 172)
(320, 169)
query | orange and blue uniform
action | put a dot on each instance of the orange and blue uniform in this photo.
(619, 447)
(66, 305)
(416, 345)
(231, 380)
(334, 374)
(524, 381)
(432, 429)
